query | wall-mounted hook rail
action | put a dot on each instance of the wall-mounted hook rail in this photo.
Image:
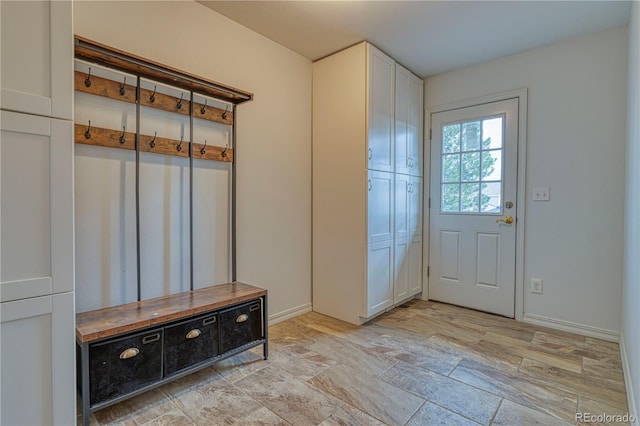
(87, 134)
(87, 81)
(152, 143)
(179, 104)
(204, 107)
(203, 149)
(224, 114)
(123, 138)
(152, 98)
(122, 91)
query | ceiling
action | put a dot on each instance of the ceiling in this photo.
(428, 37)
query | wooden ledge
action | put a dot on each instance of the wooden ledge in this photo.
(108, 322)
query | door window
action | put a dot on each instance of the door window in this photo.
(472, 155)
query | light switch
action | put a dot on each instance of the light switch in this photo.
(540, 194)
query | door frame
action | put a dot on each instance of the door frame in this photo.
(521, 96)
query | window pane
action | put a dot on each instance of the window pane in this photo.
(471, 167)
(492, 133)
(492, 165)
(471, 136)
(451, 138)
(490, 200)
(469, 197)
(450, 198)
(451, 168)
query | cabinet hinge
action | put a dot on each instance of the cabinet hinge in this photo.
(430, 134)
(428, 271)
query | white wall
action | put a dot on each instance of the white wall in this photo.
(273, 132)
(631, 286)
(575, 144)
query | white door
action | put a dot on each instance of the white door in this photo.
(473, 207)
(380, 211)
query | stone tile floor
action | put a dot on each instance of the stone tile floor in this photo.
(423, 363)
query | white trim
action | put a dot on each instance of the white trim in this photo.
(626, 369)
(521, 95)
(28, 103)
(25, 289)
(572, 327)
(289, 313)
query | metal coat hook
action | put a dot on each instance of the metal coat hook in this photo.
(152, 143)
(87, 81)
(87, 134)
(152, 98)
(224, 151)
(203, 110)
(179, 147)
(179, 104)
(122, 138)
(202, 150)
(122, 91)
(224, 114)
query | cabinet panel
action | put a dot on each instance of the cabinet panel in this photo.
(379, 294)
(380, 206)
(402, 206)
(381, 77)
(415, 266)
(401, 270)
(37, 334)
(37, 52)
(408, 122)
(415, 206)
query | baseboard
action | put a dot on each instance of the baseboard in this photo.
(289, 313)
(626, 369)
(572, 327)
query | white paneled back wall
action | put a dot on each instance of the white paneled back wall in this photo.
(106, 255)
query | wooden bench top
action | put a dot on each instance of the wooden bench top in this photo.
(107, 322)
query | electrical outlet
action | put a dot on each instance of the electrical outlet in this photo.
(536, 285)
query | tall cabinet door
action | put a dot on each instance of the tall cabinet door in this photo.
(414, 270)
(408, 122)
(380, 206)
(380, 105)
(415, 205)
(37, 57)
(379, 294)
(403, 206)
(401, 273)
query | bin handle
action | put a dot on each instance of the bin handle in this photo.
(129, 353)
(193, 333)
(242, 318)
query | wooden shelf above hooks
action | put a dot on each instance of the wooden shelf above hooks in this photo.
(112, 89)
(111, 139)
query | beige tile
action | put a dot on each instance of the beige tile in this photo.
(289, 397)
(137, 410)
(379, 399)
(299, 361)
(546, 398)
(491, 355)
(458, 397)
(432, 415)
(347, 415)
(510, 414)
(240, 366)
(173, 417)
(216, 402)
(588, 405)
(262, 416)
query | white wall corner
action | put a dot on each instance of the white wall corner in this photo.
(572, 327)
(626, 370)
(289, 313)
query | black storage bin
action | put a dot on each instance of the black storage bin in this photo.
(240, 325)
(190, 342)
(122, 365)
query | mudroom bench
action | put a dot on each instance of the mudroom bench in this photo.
(128, 349)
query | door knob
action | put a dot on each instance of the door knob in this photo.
(507, 219)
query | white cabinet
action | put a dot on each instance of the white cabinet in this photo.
(380, 83)
(408, 122)
(37, 369)
(366, 215)
(37, 57)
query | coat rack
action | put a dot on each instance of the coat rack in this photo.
(124, 90)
